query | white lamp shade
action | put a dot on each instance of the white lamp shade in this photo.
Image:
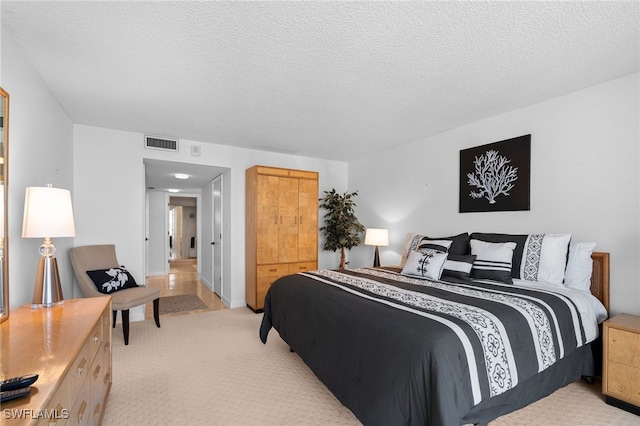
(376, 237)
(47, 213)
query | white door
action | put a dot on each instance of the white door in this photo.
(216, 238)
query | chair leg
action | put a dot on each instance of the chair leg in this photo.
(156, 311)
(115, 315)
(125, 325)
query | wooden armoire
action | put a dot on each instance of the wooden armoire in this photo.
(281, 230)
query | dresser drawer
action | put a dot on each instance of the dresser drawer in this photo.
(274, 270)
(623, 381)
(100, 384)
(60, 404)
(294, 268)
(80, 414)
(624, 347)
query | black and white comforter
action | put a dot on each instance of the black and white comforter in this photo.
(402, 350)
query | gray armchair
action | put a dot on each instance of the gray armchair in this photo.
(89, 258)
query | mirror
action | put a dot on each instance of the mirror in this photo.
(4, 239)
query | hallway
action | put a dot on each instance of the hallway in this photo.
(183, 279)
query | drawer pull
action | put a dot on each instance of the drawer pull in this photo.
(96, 372)
(81, 412)
(81, 366)
(95, 339)
(273, 270)
(107, 378)
(106, 346)
(96, 412)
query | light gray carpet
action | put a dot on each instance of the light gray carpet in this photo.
(212, 369)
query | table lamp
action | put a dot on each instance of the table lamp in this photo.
(47, 214)
(376, 237)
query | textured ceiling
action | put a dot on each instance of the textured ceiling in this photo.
(332, 80)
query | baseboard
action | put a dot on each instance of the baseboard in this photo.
(205, 282)
(623, 405)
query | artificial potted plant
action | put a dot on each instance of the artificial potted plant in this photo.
(341, 226)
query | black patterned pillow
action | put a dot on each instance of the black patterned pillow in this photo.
(425, 264)
(415, 241)
(438, 245)
(493, 260)
(459, 243)
(458, 266)
(110, 280)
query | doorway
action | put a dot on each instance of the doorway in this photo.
(170, 223)
(183, 228)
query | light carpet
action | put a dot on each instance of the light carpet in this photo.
(212, 369)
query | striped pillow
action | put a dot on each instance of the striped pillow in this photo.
(458, 266)
(493, 260)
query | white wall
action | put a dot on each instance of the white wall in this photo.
(584, 180)
(157, 257)
(109, 194)
(40, 152)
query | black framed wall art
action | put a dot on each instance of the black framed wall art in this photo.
(496, 176)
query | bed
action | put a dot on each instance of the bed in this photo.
(400, 348)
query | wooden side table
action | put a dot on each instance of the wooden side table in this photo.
(621, 362)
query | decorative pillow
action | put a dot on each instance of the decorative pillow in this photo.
(425, 264)
(458, 266)
(438, 245)
(544, 258)
(110, 280)
(459, 243)
(579, 266)
(414, 241)
(537, 257)
(493, 260)
(506, 238)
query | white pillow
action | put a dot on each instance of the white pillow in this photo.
(425, 264)
(579, 266)
(493, 260)
(545, 258)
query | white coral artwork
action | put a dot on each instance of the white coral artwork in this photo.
(493, 176)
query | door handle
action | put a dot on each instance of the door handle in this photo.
(213, 243)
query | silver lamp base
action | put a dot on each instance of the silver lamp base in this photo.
(47, 291)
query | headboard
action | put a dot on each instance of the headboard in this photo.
(600, 277)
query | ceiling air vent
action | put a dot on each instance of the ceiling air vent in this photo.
(165, 144)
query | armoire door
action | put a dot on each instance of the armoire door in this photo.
(288, 211)
(267, 219)
(307, 220)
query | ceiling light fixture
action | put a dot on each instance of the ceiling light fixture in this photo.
(181, 176)
(173, 190)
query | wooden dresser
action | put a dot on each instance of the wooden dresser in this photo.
(69, 347)
(621, 362)
(281, 231)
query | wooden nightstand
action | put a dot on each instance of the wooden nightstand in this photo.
(621, 362)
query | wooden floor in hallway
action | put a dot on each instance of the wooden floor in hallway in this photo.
(183, 279)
